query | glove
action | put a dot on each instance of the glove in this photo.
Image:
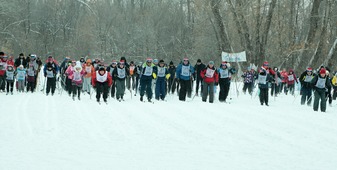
(154, 75)
(168, 76)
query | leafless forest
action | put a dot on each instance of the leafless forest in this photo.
(287, 33)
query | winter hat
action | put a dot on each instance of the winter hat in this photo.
(211, 62)
(322, 71)
(122, 62)
(50, 58)
(198, 61)
(155, 60)
(266, 63)
(132, 62)
(309, 69)
(161, 61)
(224, 63)
(33, 56)
(101, 69)
(171, 62)
(21, 54)
(78, 64)
(149, 60)
(123, 58)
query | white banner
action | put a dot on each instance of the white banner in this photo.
(234, 57)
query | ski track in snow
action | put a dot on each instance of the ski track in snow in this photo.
(55, 132)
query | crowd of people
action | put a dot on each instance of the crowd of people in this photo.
(321, 82)
(158, 77)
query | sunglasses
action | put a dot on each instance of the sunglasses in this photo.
(149, 61)
(185, 60)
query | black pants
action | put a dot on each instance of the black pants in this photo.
(274, 89)
(137, 84)
(10, 85)
(30, 86)
(291, 88)
(283, 87)
(199, 81)
(263, 96)
(2, 83)
(224, 89)
(306, 95)
(171, 85)
(77, 90)
(102, 88)
(68, 86)
(113, 89)
(320, 95)
(51, 85)
(248, 86)
(328, 96)
(185, 88)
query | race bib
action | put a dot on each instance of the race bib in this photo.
(88, 69)
(161, 72)
(50, 74)
(262, 79)
(308, 79)
(224, 73)
(209, 73)
(10, 75)
(31, 72)
(320, 83)
(290, 77)
(185, 70)
(77, 76)
(148, 71)
(121, 73)
(102, 78)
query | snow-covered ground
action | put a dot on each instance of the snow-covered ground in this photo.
(55, 132)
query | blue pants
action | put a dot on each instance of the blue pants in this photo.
(146, 83)
(160, 88)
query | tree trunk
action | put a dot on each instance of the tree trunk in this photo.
(257, 51)
(224, 43)
(316, 59)
(266, 30)
(302, 61)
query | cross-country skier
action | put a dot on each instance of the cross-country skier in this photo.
(210, 78)
(101, 81)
